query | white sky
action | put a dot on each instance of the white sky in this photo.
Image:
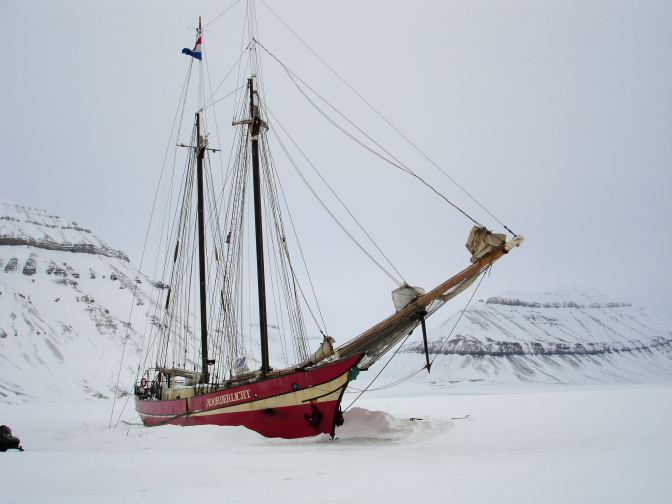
(556, 115)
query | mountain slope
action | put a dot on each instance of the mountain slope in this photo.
(22, 225)
(572, 336)
(69, 301)
(65, 300)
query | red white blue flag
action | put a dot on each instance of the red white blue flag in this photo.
(196, 51)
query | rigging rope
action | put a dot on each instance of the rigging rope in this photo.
(312, 165)
(185, 85)
(323, 327)
(385, 119)
(212, 92)
(393, 162)
(281, 259)
(222, 13)
(326, 209)
(222, 98)
(436, 354)
(445, 340)
(379, 372)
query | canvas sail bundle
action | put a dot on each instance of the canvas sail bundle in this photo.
(481, 242)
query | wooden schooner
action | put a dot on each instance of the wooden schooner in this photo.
(212, 382)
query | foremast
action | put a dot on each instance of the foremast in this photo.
(200, 148)
(200, 154)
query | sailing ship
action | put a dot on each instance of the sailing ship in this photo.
(204, 373)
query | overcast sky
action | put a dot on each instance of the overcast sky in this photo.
(556, 115)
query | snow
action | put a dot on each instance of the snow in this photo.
(518, 444)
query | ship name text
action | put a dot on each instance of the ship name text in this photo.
(241, 395)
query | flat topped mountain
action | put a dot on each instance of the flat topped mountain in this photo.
(572, 335)
(569, 322)
(22, 225)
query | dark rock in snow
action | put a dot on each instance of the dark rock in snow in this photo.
(12, 265)
(30, 267)
(55, 269)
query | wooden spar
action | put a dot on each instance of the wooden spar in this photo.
(412, 310)
(255, 126)
(424, 341)
(200, 152)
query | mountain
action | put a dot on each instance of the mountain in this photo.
(21, 225)
(68, 301)
(65, 301)
(569, 336)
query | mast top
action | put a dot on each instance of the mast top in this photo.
(252, 33)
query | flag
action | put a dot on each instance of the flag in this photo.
(196, 51)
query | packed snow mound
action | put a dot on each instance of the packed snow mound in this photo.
(363, 424)
(568, 336)
(22, 225)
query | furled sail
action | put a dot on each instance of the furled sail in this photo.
(481, 242)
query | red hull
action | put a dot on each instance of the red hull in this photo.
(298, 404)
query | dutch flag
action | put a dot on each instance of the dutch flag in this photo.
(196, 51)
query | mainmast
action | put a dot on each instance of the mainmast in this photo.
(255, 126)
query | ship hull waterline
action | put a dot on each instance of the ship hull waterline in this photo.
(298, 404)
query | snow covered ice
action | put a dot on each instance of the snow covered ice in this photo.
(518, 444)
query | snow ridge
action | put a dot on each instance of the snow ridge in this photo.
(22, 225)
(462, 345)
(567, 336)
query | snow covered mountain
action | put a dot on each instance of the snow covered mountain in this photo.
(65, 299)
(21, 225)
(572, 336)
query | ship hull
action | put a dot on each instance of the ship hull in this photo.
(294, 405)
